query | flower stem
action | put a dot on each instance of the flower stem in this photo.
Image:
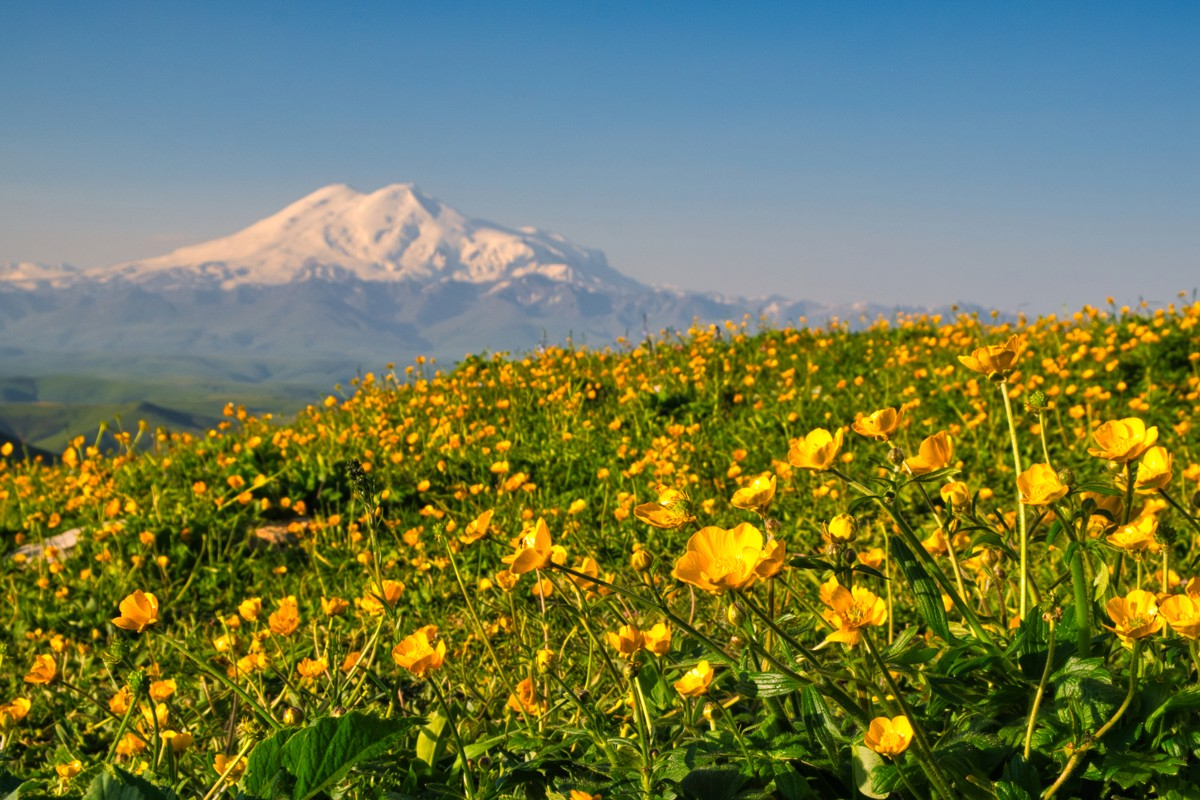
(1077, 756)
(1041, 689)
(1023, 532)
(462, 752)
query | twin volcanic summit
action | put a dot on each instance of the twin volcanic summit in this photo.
(341, 281)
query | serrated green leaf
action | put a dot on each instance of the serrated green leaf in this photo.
(766, 684)
(712, 784)
(321, 755)
(819, 722)
(264, 767)
(117, 784)
(929, 598)
(863, 763)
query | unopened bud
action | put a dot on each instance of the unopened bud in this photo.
(734, 614)
(292, 716)
(640, 561)
(773, 526)
(843, 528)
(1066, 477)
(896, 456)
(849, 556)
(631, 669)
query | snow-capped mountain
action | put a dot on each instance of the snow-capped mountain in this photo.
(340, 281)
(395, 234)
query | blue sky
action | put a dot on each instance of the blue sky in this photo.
(1032, 156)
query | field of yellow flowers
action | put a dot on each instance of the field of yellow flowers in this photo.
(942, 558)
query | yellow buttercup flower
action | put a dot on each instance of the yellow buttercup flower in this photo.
(879, 424)
(1138, 535)
(232, 767)
(43, 671)
(333, 606)
(889, 737)
(477, 528)
(1153, 472)
(671, 510)
(934, 453)
(1039, 485)
(417, 654)
(658, 639)
(756, 494)
(1135, 615)
(816, 451)
(13, 712)
(138, 611)
(533, 552)
(1182, 613)
(771, 562)
(852, 610)
(995, 360)
(718, 560)
(627, 641)
(250, 608)
(843, 528)
(378, 599)
(1122, 440)
(525, 698)
(69, 770)
(695, 682)
(286, 618)
(957, 495)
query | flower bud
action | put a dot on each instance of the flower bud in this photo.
(640, 561)
(896, 456)
(292, 716)
(631, 670)
(1066, 477)
(1037, 402)
(849, 556)
(773, 526)
(136, 682)
(843, 528)
(734, 614)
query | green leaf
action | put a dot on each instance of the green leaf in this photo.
(117, 784)
(809, 562)
(431, 740)
(1131, 769)
(1187, 698)
(322, 754)
(819, 723)
(929, 598)
(1010, 791)
(264, 767)
(866, 761)
(712, 784)
(766, 684)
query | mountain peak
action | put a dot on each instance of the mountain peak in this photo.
(394, 234)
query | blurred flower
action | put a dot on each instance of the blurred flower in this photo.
(816, 451)
(286, 618)
(13, 712)
(378, 598)
(1138, 535)
(889, 737)
(956, 495)
(1122, 440)
(43, 670)
(627, 641)
(250, 608)
(533, 550)
(671, 510)
(231, 767)
(416, 653)
(695, 682)
(161, 690)
(524, 698)
(69, 770)
(934, 453)
(1153, 472)
(1182, 612)
(756, 494)
(477, 528)
(878, 425)
(658, 639)
(333, 606)
(138, 611)
(994, 360)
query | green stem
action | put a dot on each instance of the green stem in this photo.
(458, 742)
(929, 761)
(222, 679)
(645, 734)
(1041, 689)
(1023, 532)
(1077, 756)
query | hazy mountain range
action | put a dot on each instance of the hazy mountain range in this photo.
(337, 283)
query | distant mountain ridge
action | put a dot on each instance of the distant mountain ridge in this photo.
(345, 279)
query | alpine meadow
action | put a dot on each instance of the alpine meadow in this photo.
(939, 557)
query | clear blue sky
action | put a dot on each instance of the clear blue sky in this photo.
(1023, 155)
